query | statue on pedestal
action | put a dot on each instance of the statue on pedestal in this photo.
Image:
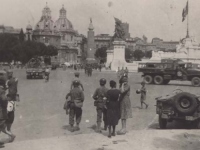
(119, 30)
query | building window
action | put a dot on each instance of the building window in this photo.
(71, 37)
(97, 46)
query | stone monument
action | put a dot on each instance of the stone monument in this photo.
(119, 45)
(116, 57)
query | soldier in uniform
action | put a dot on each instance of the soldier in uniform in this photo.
(77, 74)
(3, 111)
(100, 103)
(76, 102)
(12, 94)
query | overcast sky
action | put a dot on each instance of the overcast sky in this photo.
(152, 18)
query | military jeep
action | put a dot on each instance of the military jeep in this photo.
(178, 105)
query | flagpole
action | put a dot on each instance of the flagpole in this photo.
(187, 36)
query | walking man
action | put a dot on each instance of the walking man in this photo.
(100, 102)
(75, 111)
(3, 111)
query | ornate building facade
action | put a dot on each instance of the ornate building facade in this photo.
(60, 34)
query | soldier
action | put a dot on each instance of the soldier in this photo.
(77, 98)
(12, 96)
(100, 101)
(90, 71)
(126, 71)
(3, 111)
(77, 74)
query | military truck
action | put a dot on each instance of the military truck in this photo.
(179, 106)
(168, 69)
(35, 68)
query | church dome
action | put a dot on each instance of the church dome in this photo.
(28, 27)
(63, 24)
(45, 22)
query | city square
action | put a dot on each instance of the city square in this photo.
(41, 116)
(71, 72)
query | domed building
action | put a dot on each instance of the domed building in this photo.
(60, 34)
(68, 37)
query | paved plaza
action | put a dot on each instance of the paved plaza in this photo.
(40, 116)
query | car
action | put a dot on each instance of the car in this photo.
(166, 70)
(178, 105)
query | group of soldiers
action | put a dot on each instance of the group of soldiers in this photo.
(75, 99)
(8, 98)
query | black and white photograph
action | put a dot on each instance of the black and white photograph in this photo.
(99, 75)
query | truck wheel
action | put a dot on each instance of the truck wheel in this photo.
(166, 81)
(196, 81)
(185, 103)
(162, 122)
(158, 79)
(148, 79)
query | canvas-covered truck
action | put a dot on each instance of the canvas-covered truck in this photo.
(166, 70)
(35, 69)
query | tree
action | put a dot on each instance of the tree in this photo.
(101, 54)
(21, 36)
(148, 54)
(7, 42)
(138, 55)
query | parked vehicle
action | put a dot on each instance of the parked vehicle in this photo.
(178, 105)
(35, 69)
(167, 70)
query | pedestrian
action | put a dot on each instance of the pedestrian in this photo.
(3, 112)
(12, 95)
(47, 73)
(76, 103)
(143, 92)
(126, 71)
(90, 71)
(100, 100)
(77, 74)
(86, 69)
(113, 112)
(122, 76)
(125, 105)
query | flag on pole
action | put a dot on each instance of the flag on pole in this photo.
(185, 12)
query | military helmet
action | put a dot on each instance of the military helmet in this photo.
(76, 83)
(102, 81)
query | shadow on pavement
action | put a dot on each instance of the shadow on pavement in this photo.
(93, 127)
(182, 141)
(174, 125)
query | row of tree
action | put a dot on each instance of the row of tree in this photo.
(14, 48)
(101, 54)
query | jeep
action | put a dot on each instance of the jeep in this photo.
(178, 105)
